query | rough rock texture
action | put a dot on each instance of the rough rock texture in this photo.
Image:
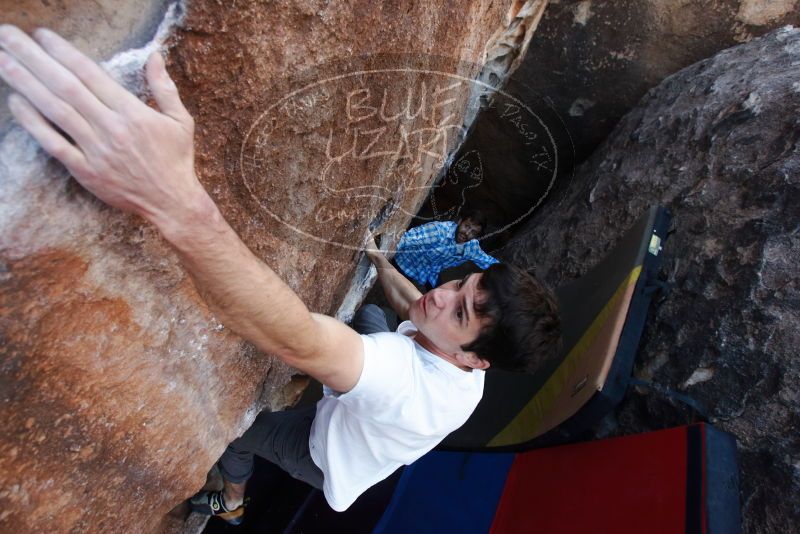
(119, 389)
(590, 63)
(719, 144)
(593, 61)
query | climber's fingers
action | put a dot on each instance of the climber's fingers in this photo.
(52, 141)
(164, 90)
(34, 73)
(96, 80)
(59, 112)
(371, 245)
(131, 157)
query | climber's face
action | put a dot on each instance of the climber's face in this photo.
(446, 320)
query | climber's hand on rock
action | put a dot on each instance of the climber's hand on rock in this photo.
(373, 252)
(129, 155)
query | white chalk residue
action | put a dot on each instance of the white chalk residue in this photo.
(25, 182)
(786, 32)
(753, 103)
(21, 167)
(582, 12)
(579, 107)
(362, 281)
(702, 374)
(126, 66)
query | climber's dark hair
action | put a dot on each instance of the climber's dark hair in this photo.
(524, 328)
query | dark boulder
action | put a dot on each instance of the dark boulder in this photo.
(593, 61)
(717, 143)
(590, 63)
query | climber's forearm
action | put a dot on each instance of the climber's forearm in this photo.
(141, 160)
(241, 290)
(399, 290)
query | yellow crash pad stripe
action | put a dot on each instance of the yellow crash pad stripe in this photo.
(525, 424)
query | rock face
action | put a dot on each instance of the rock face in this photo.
(593, 61)
(119, 388)
(590, 64)
(718, 143)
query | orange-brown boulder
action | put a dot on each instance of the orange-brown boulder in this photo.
(318, 123)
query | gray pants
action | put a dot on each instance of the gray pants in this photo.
(282, 437)
(370, 319)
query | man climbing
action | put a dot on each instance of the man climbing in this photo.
(425, 251)
(389, 397)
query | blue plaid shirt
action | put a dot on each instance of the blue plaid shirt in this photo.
(427, 250)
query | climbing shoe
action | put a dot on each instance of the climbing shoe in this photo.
(212, 503)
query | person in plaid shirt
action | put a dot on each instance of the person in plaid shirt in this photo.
(427, 250)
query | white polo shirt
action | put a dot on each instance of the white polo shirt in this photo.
(406, 401)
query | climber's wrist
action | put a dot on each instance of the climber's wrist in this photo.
(183, 221)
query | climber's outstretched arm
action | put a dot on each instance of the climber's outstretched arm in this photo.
(398, 289)
(141, 160)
